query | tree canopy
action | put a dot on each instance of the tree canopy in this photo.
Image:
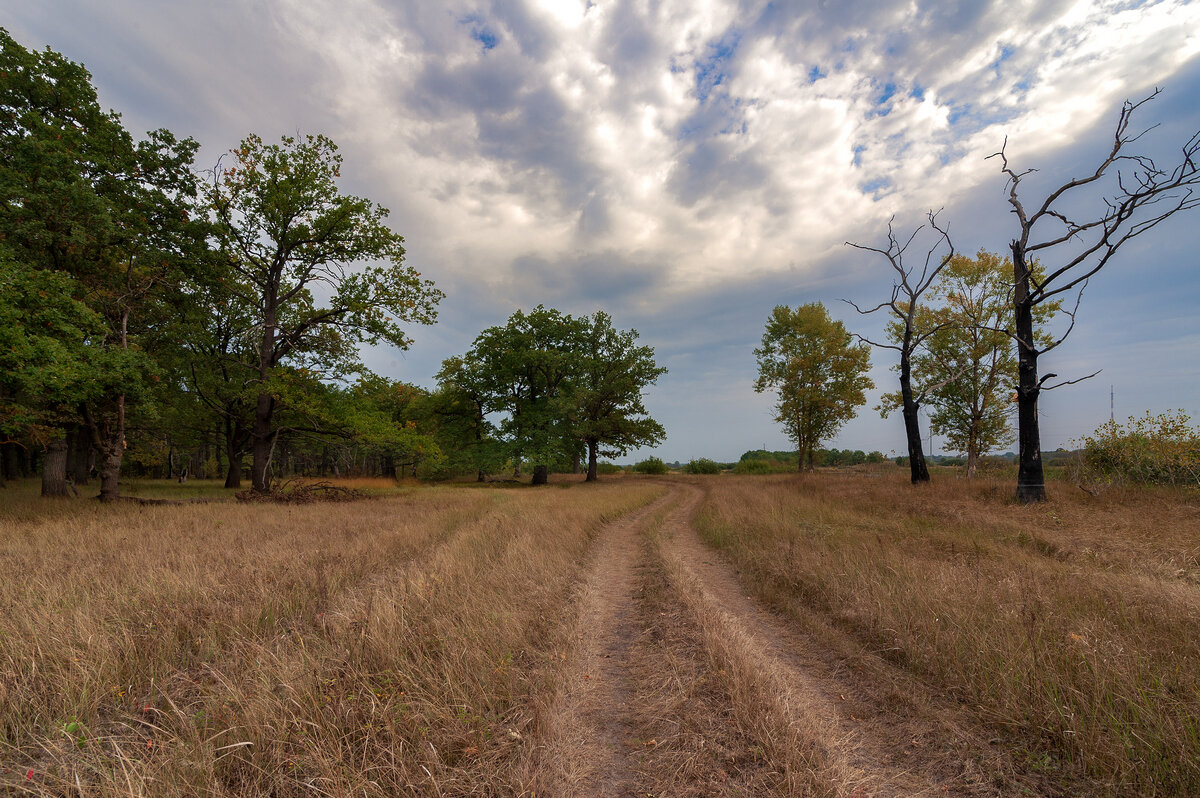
(284, 231)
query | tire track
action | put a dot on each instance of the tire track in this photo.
(805, 717)
(587, 746)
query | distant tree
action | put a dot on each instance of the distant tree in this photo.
(460, 407)
(559, 382)
(1135, 196)
(526, 369)
(606, 392)
(702, 465)
(651, 465)
(817, 371)
(909, 284)
(288, 235)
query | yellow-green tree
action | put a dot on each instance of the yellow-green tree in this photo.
(967, 365)
(817, 371)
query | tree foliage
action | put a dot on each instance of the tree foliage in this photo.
(966, 365)
(287, 234)
(817, 371)
(558, 383)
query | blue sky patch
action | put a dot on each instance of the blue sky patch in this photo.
(815, 74)
(876, 187)
(711, 69)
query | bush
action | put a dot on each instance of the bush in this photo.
(702, 466)
(608, 468)
(651, 465)
(1162, 450)
(753, 467)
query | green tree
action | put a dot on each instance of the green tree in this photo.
(460, 407)
(44, 368)
(79, 196)
(287, 233)
(525, 370)
(612, 372)
(817, 371)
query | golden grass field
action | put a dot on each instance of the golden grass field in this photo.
(1071, 629)
(381, 647)
(413, 643)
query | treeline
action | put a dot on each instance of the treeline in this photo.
(165, 321)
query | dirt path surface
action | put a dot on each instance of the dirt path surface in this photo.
(586, 747)
(678, 683)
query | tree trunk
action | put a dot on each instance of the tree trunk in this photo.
(112, 449)
(593, 450)
(575, 462)
(233, 468)
(1031, 481)
(83, 456)
(54, 469)
(972, 463)
(263, 443)
(72, 437)
(541, 475)
(918, 469)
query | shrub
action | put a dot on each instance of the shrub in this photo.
(702, 466)
(1162, 449)
(753, 467)
(608, 468)
(651, 465)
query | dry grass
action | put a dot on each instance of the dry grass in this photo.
(1069, 630)
(395, 646)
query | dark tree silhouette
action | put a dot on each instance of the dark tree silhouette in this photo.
(1135, 196)
(909, 284)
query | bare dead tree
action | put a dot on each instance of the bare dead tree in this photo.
(1136, 196)
(909, 284)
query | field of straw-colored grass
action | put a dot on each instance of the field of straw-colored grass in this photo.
(1070, 630)
(402, 644)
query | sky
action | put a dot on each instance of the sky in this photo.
(686, 165)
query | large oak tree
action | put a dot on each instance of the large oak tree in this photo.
(319, 271)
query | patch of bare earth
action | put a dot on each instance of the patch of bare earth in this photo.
(836, 720)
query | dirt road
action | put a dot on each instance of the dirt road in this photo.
(677, 683)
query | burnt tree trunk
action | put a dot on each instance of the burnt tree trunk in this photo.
(54, 469)
(593, 447)
(541, 475)
(1031, 480)
(917, 467)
